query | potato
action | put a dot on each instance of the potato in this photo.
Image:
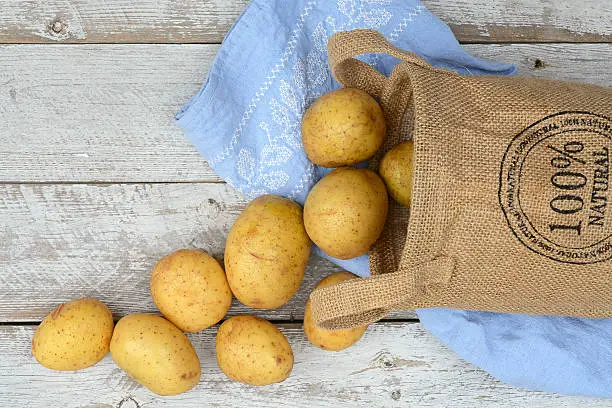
(253, 351)
(155, 353)
(266, 252)
(345, 212)
(334, 340)
(343, 127)
(75, 335)
(396, 170)
(189, 287)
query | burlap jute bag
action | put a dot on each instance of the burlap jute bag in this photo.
(510, 194)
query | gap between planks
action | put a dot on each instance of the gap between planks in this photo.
(275, 321)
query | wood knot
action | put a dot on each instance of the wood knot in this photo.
(538, 64)
(128, 402)
(57, 27)
(396, 395)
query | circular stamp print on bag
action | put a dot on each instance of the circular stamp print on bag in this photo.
(554, 187)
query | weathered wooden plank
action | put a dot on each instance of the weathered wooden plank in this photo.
(103, 113)
(588, 63)
(516, 21)
(111, 21)
(99, 113)
(167, 21)
(393, 365)
(61, 242)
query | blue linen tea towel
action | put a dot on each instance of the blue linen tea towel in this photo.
(246, 119)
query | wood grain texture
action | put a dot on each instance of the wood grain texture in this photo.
(99, 113)
(62, 242)
(169, 21)
(516, 21)
(393, 365)
(103, 113)
(117, 21)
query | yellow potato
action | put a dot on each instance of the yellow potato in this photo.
(253, 351)
(333, 340)
(345, 212)
(396, 170)
(155, 353)
(75, 335)
(190, 289)
(343, 127)
(266, 252)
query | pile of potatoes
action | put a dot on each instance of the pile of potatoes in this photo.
(266, 254)
(345, 212)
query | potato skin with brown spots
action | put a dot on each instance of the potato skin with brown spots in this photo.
(266, 252)
(333, 340)
(74, 336)
(253, 351)
(396, 170)
(343, 127)
(155, 353)
(345, 212)
(189, 287)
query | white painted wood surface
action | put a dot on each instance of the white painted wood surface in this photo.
(393, 365)
(98, 112)
(103, 113)
(97, 21)
(61, 242)
(151, 21)
(526, 20)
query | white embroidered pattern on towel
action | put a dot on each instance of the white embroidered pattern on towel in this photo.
(286, 99)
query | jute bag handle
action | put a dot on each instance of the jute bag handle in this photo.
(359, 302)
(353, 73)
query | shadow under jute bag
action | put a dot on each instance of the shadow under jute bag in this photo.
(510, 193)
